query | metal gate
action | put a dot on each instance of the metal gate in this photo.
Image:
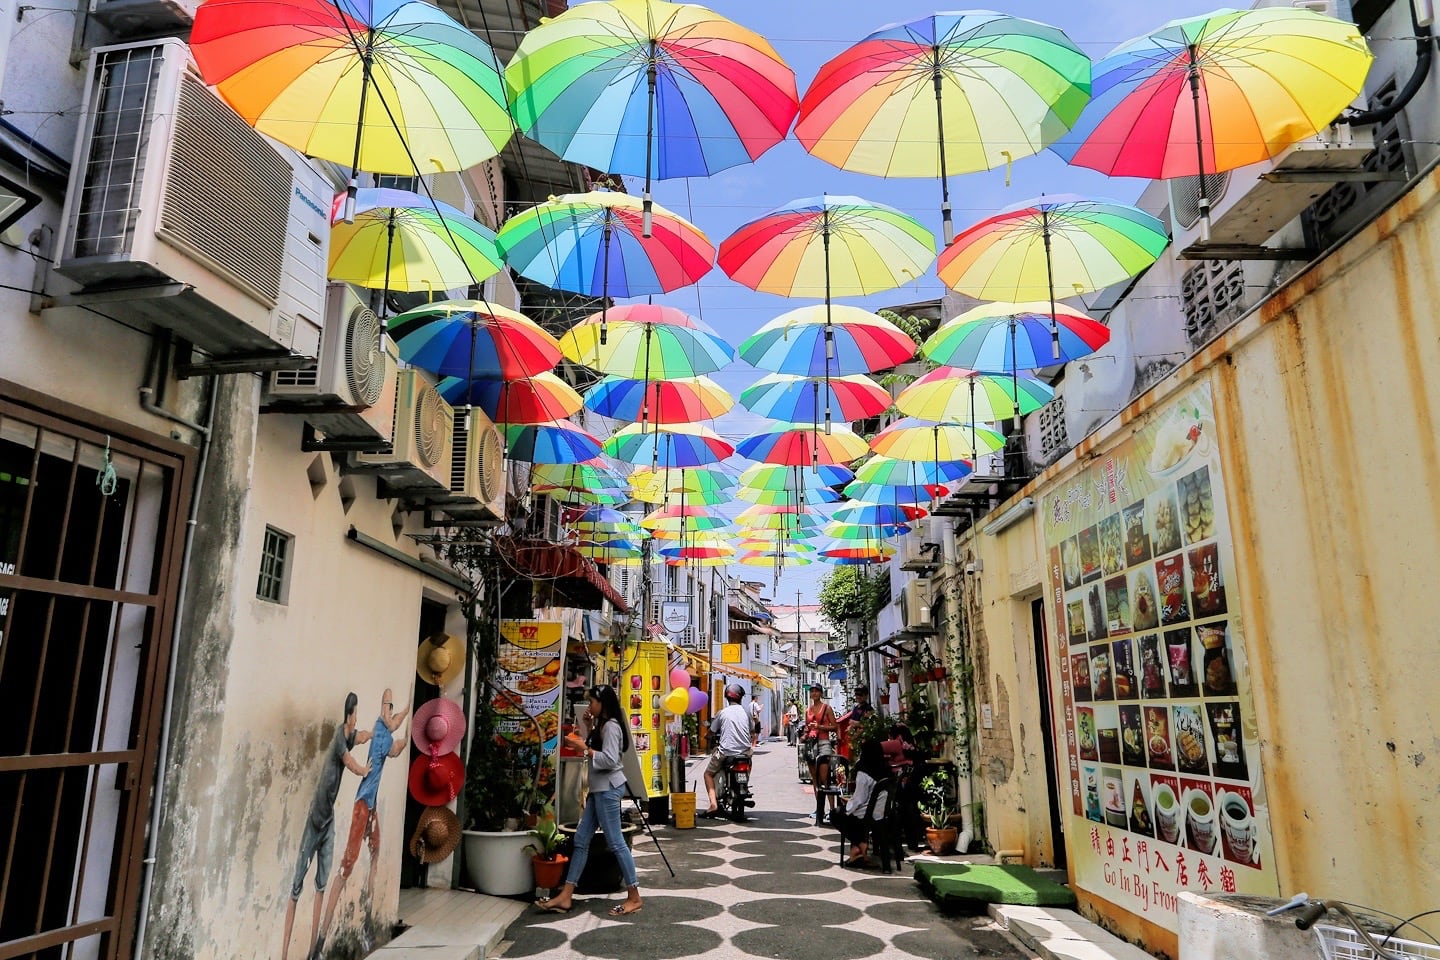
(90, 550)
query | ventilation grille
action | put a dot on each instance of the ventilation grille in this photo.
(307, 377)
(227, 193)
(364, 362)
(459, 455)
(1185, 196)
(429, 425)
(491, 464)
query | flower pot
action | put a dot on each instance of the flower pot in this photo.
(939, 673)
(498, 863)
(892, 678)
(918, 678)
(550, 873)
(941, 840)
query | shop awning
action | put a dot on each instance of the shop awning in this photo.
(574, 573)
(830, 658)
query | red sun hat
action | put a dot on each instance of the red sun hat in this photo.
(439, 723)
(436, 780)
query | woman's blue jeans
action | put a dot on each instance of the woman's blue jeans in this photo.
(602, 811)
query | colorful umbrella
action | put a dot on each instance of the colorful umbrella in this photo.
(771, 544)
(769, 510)
(1052, 248)
(999, 88)
(792, 444)
(878, 514)
(400, 240)
(788, 496)
(560, 442)
(766, 476)
(953, 393)
(900, 494)
(890, 471)
(911, 438)
(576, 475)
(677, 400)
(677, 445)
(781, 558)
(816, 342)
(693, 486)
(603, 520)
(472, 338)
(643, 87)
(303, 72)
(872, 533)
(783, 396)
(863, 552)
(1212, 93)
(786, 522)
(611, 498)
(591, 243)
(644, 351)
(536, 399)
(608, 552)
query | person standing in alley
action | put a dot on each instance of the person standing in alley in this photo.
(816, 750)
(792, 724)
(755, 720)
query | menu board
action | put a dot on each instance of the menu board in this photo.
(1159, 736)
(526, 692)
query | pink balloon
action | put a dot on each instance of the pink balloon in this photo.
(680, 677)
(698, 699)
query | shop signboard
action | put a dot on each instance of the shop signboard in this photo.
(675, 616)
(732, 652)
(527, 690)
(1158, 738)
(645, 680)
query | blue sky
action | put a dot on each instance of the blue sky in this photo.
(807, 33)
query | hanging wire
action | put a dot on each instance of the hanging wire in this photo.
(105, 477)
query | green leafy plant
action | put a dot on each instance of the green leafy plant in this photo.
(547, 839)
(848, 593)
(935, 796)
(870, 727)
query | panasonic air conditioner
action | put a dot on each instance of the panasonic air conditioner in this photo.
(424, 425)
(179, 214)
(477, 470)
(915, 606)
(349, 392)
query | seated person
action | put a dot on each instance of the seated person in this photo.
(852, 820)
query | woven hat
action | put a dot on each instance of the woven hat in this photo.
(436, 835)
(436, 780)
(440, 659)
(439, 723)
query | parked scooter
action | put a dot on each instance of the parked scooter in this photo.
(732, 788)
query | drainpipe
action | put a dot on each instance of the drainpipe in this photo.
(960, 698)
(1424, 54)
(147, 880)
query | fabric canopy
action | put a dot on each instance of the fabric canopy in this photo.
(549, 561)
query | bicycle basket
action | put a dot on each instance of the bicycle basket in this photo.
(1343, 943)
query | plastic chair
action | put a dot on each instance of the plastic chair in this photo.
(882, 834)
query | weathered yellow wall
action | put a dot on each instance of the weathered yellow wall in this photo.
(1327, 399)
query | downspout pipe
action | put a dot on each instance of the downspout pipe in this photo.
(152, 843)
(1424, 55)
(963, 787)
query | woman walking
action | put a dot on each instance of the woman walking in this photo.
(609, 738)
(815, 747)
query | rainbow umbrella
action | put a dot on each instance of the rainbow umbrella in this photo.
(683, 519)
(911, 438)
(473, 338)
(788, 496)
(1051, 248)
(948, 93)
(781, 522)
(771, 544)
(399, 240)
(781, 558)
(897, 494)
(723, 558)
(611, 552)
(889, 471)
(643, 350)
(677, 400)
(643, 87)
(861, 552)
(877, 514)
(304, 72)
(783, 396)
(819, 342)
(864, 532)
(706, 548)
(793, 444)
(609, 498)
(767, 510)
(677, 445)
(1207, 94)
(591, 243)
(693, 486)
(766, 476)
(560, 442)
(536, 399)
(579, 475)
(953, 393)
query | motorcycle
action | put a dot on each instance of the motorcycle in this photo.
(732, 788)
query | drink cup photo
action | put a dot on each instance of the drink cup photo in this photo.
(1167, 814)
(1200, 821)
(1237, 827)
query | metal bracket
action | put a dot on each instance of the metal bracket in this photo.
(1334, 176)
(1246, 251)
(310, 442)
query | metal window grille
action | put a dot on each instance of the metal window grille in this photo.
(274, 566)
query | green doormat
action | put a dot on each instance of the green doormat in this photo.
(953, 883)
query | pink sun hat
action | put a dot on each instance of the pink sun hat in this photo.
(439, 722)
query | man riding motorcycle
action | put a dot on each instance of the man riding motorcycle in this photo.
(731, 731)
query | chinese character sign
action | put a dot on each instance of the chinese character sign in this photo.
(1156, 728)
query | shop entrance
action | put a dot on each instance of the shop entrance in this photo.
(1047, 728)
(89, 574)
(432, 621)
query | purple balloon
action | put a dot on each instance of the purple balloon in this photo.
(698, 699)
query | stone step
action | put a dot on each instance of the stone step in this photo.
(1063, 934)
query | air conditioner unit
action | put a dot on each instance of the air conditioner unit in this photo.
(915, 606)
(477, 471)
(918, 554)
(419, 458)
(145, 18)
(349, 392)
(181, 215)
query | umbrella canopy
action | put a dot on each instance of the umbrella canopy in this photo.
(948, 93)
(677, 445)
(793, 444)
(766, 510)
(536, 399)
(817, 341)
(771, 545)
(849, 550)
(897, 494)
(611, 552)
(1008, 337)
(1051, 248)
(648, 88)
(400, 240)
(765, 476)
(781, 558)
(872, 514)
(787, 523)
(644, 351)
(864, 533)
(591, 243)
(373, 85)
(1212, 93)
(783, 396)
(693, 486)
(890, 471)
(956, 394)
(576, 475)
(559, 442)
(611, 498)
(603, 520)
(473, 338)
(914, 439)
(787, 496)
(828, 247)
(677, 400)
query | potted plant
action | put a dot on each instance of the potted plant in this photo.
(499, 778)
(546, 859)
(935, 806)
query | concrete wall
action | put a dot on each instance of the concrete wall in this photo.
(1327, 413)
